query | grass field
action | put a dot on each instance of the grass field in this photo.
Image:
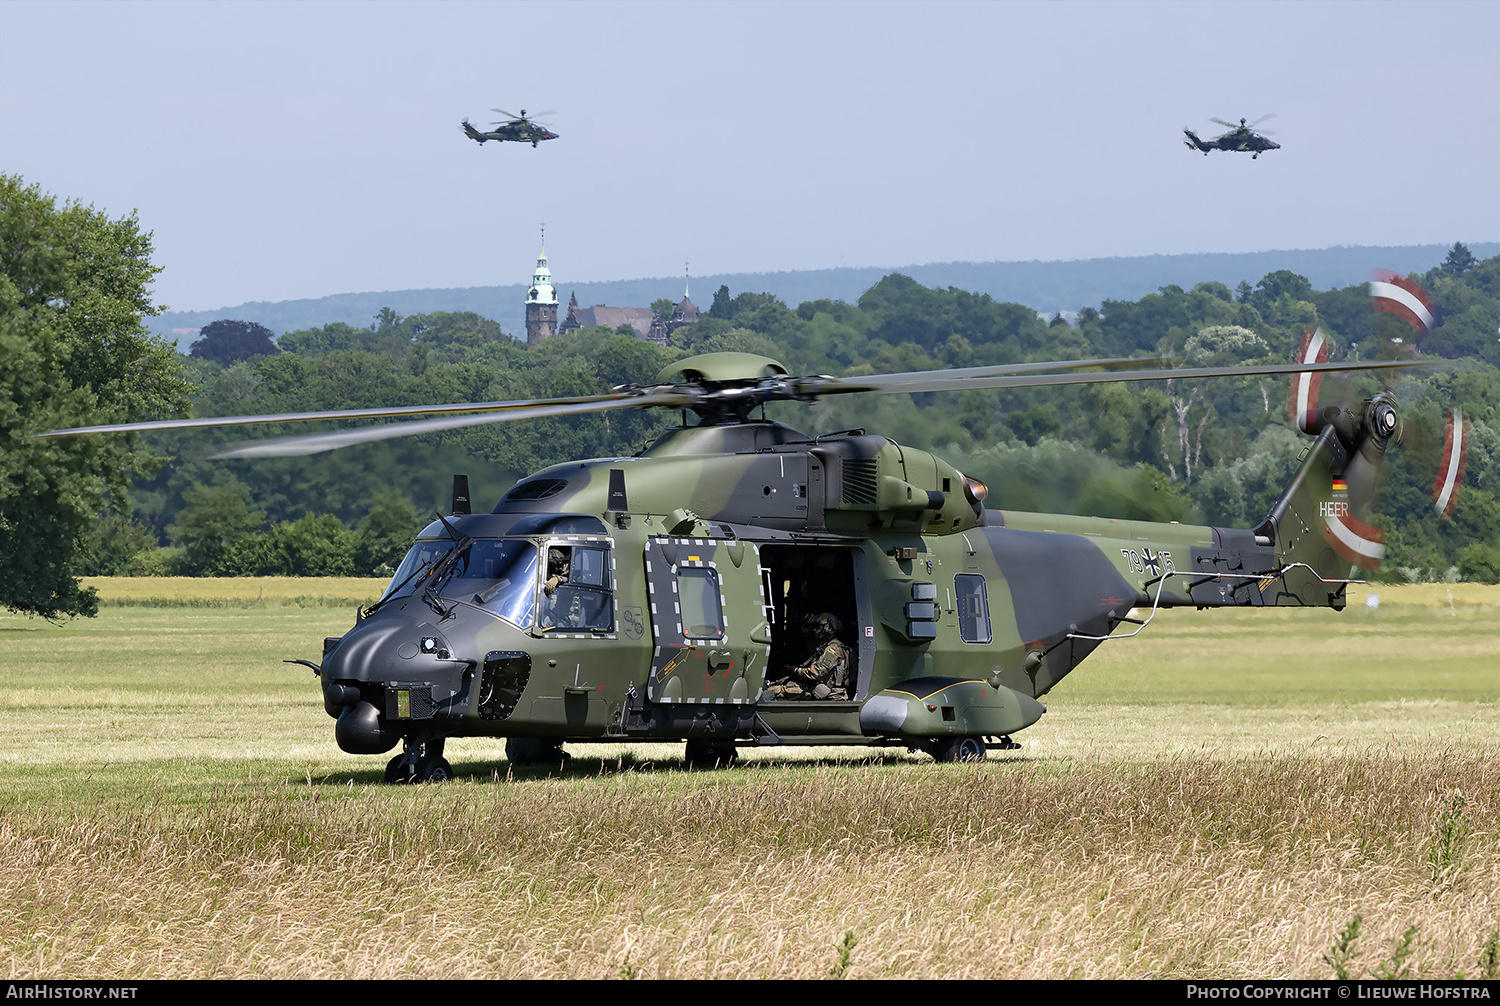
(1218, 797)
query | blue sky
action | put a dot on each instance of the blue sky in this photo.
(297, 150)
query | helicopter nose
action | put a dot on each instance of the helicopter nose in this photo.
(370, 650)
(386, 648)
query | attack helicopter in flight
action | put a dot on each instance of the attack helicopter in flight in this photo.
(670, 595)
(1241, 138)
(516, 128)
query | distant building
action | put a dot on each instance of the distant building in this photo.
(541, 303)
(684, 313)
(647, 323)
(638, 318)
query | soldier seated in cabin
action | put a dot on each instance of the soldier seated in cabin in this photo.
(825, 672)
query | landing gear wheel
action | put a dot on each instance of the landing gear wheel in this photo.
(711, 754)
(958, 749)
(535, 751)
(398, 770)
(433, 770)
(416, 762)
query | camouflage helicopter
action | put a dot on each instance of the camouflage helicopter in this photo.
(1241, 138)
(513, 127)
(672, 595)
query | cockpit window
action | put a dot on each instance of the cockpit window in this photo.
(415, 567)
(497, 575)
(576, 591)
(589, 566)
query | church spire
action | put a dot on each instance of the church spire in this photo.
(541, 299)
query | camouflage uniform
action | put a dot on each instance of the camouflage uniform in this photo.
(825, 676)
(557, 570)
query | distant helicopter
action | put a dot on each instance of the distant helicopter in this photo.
(689, 585)
(514, 127)
(1241, 137)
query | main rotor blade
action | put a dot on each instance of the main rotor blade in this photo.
(1263, 118)
(817, 387)
(898, 382)
(1221, 122)
(508, 115)
(302, 417)
(317, 443)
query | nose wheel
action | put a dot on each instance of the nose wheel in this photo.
(420, 761)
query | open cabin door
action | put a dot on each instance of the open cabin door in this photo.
(804, 581)
(710, 637)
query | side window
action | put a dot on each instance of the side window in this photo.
(575, 590)
(589, 567)
(698, 596)
(973, 608)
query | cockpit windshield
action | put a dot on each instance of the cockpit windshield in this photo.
(499, 576)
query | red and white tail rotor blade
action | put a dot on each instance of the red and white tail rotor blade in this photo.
(1353, 540)
(1403, 297)
(1450, 476)
(1302, 405)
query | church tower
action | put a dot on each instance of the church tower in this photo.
(541, 302)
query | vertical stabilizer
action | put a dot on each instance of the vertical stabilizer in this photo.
(1322, 525)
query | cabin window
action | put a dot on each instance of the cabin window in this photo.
(699, 598)
(973, 608)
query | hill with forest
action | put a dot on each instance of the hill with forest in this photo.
(1049, 287)
(1209, 451)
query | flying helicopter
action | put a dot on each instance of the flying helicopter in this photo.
(1241, 138)
(518, 128)
(671, 595)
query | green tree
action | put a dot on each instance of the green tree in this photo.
(720, 307)
(1459, 261)
(227, 342)
(74, 287)
(215, 518)
(385, 534)
(117, 546)
(314, 545)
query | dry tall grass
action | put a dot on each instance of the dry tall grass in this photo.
(172, 805)
(1185, 867)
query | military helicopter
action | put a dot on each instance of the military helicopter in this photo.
(1241, 137)
(513, 127)
(664, 596)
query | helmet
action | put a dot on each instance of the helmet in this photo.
(824, 626)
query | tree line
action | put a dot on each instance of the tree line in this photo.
(1211, 451)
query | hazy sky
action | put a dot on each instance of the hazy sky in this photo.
(296, 149)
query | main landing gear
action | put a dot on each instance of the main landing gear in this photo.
(966, 749)
(702, 753)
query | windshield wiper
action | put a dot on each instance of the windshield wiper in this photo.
(427, 569)
(395, 591)
(444, 566)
